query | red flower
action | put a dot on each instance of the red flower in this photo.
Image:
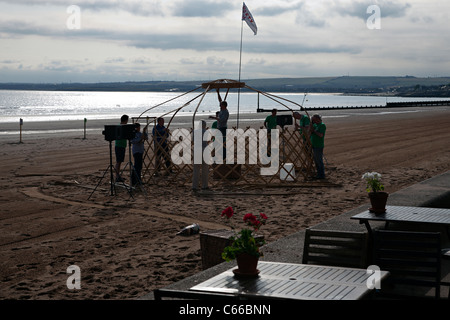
(257, 224)
(252, 221)
(249, 217)
(228, 212)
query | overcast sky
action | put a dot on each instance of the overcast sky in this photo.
(139, 40)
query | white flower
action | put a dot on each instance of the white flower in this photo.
(373, 180)
(371, 176)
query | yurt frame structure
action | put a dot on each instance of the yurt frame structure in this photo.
(295, 158)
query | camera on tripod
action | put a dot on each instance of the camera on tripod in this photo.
(119, 132)
(284, 120)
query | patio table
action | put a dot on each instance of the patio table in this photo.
(295, 281)
(423, 215)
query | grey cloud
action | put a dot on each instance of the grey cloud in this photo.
(16, 27)
(216, 61)
(276, 9)
(201, 8)
(358, 9)
(189, 61)
(141, 60)
(301, 48)
(58, 65)
(23, 28)
(318, 17)
(422, 19)
(136, 7)
(115, 60)
(203, 44)
(171, 42)
(304, 15)
(310, 19)
(10, 61)
(183, 41)
(136, 60)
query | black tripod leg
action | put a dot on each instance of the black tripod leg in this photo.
(110, 167)
(104, 173)
(138, 179)
(129, 188)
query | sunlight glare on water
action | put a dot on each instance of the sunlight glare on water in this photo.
(77, 105)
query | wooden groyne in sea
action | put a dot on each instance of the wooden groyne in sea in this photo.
(387, 105)
(404, 104)
(418, 103)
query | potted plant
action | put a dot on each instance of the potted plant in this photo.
(245, 246)
(377, 195)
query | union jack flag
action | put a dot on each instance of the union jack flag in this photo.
(247, 16)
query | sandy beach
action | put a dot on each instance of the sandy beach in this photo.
(126, 247)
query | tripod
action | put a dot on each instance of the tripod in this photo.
(111, 169)
(133, 173)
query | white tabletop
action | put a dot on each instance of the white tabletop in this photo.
(294, 281)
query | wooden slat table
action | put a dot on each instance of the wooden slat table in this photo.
(294, 281)
(436, 216)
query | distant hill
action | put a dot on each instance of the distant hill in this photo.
(407, 85)
(354, 85)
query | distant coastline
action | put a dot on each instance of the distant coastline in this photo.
(407, 86)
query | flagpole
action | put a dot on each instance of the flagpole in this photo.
(247, 16)
(240, 65)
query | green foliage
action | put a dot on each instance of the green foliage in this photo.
(244, 242)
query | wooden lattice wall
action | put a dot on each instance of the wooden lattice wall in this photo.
(294, 148)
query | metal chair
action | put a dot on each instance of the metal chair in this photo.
(446, 256)
(336, 248)
(446, 253)
(412, 258)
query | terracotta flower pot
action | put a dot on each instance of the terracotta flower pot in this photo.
(247, 264)
(378, 201)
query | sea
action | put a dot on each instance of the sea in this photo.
(37, 106)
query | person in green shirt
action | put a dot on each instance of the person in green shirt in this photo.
(271, 121)
(303, 125)
(214, 124)
(120, 148)
(317, 130)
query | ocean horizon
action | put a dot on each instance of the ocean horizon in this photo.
(39, 106)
